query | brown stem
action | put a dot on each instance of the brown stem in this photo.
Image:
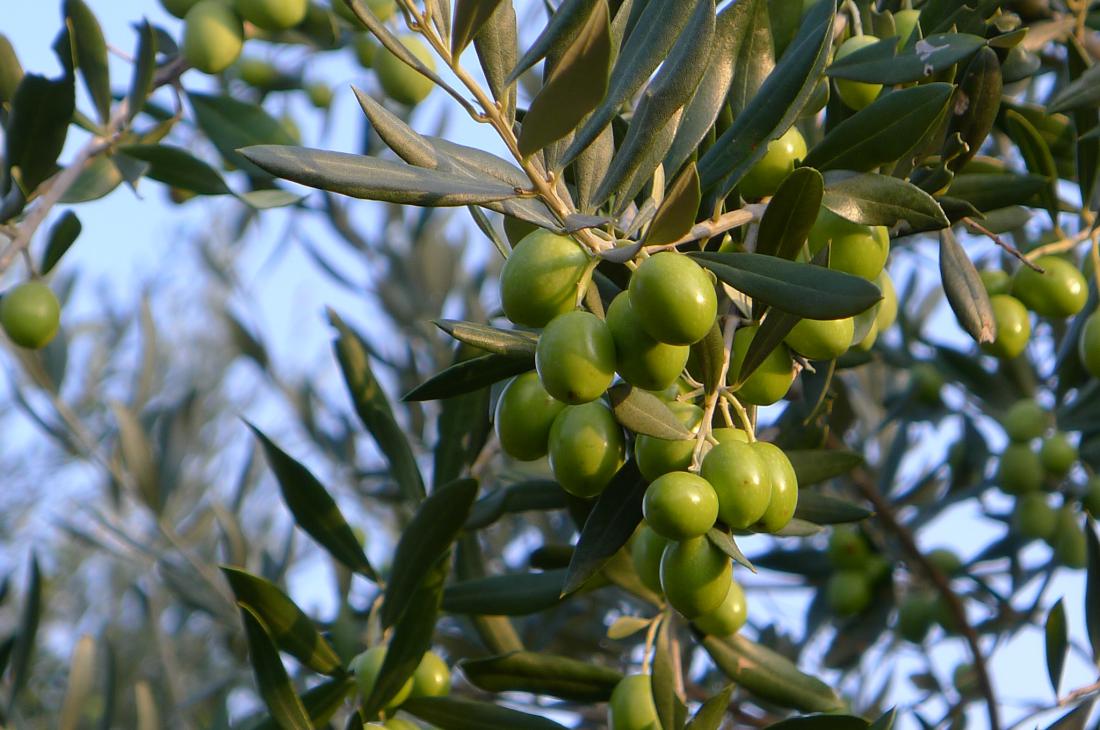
(1008, 247)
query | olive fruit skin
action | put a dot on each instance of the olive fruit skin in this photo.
(996, 281)
(212, 36)
(848, 550)
(1088, 347)
(1025, 420)
(729, 617)
(965, 679)
(586, 448)
(1013, 327)
(524, 414)
(365, 48)
(1057, 454)
(916, 614)
(1069, 543)
(848, 592)
(539, 279)
(366, 667)
(1033, 518)
(1019, 470)
(657, 456)
(273, 14)
(1060, 291)
(320, 95)
(646, 553)
(726, 433)
(821, 339)
(399, 723)
(741, 480)
(640, 359)
(178, 8)
(927, 383)
(856, 249)
(401, 82)
(382, 9)
(680, 505)
(856, 94)
(771, 380)
(784, 483)
(30, 314)
(432, 677)
(905, 22)
(695, 576)
(674, 297)
(944, 559)
(575, 357)
(765, 177)
(1090, 500)
(631, 705)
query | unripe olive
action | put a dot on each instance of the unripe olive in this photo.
(1019, 470)
(1025, 420)
(1057, 454)
(640, 359)
(848, 592)
(674, 297)
(742, 481)
(178, 8)
(365, 47)
(524, 414)
(680, 505)
(854, 248)
(540, 277)
(273, 14)
(927, 383)
(1033, 518)
(432, 677)
(401, 82)
(586, 448)
(965, 679)
(1090, 500)
(821, 339)
(212, 36)
(771, 380)
(996, 281)
(916, 615)
(366, 667)
(399, 723)
(784, 482)
(905, 22)
(320, 95)
(575, 357)
(856, 94)
(381, 9)
(1060, 291)
(765, 177)
(1088, 347)
(1069, 542)
(729, 617)
(946, 560)
(1013, 327)
(645, 552)
(726, 433)
(848, 550)
(631, 705)
(657, 456)
(695, 576)
(30, 314)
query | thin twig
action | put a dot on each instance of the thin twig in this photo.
(1069, 699)
(1008, 247)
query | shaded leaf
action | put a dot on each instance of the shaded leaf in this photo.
(992, 191)
(1056, 643)
(878, 63)
(663, 679)
(725, 542)
(62, 235)
(1092, 588)
(82, 673)
(880, 200)
(515, 498)
(469, 17)
(753, 52)
(564, 24)
(542, 674)
(177, 167)
(91, 55)
(145, 60)
(817, 465)
(979, 99)
(26, 633)
(645, 414)
(321, 702)
(791, 214)
(490, 339)
(822, 722)
(513, 594)
(710, 714)
(451, 713)
(1083, 92)
(966, 294)
(773, 329)
(36, 129)
(272, 681)
(470, 375)
(231, 124)
(822, 509)
(497, 46)
(1036, 156)
(677, 212)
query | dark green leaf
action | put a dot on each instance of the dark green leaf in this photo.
(313, 509)
(26, 633)
(612, 521)
(886, 720)
(497, 46)
(490, 339)
(822, 722)
(271, 678)
(62, 235)
(449, 713)
(1086, 121)
(803, 289)
(1057, 643)
(710, 714)
(463, 427)
(821, 509)
(1036, 156)
(521, 497)
(98, 178)
(36, 128)
(710, 353)
(770, 676)
(883, 132)
(575, 86)
(373, 178)
(291, 629)
(992, 191)
(881, 200)
(774, 108)
(981, 86)
(321, 702)
(177, 167)
(817, 465)
(470, 375)
(1092, 588)
(791, 214)
(752, 51)
(497, 633)
(1083, 92)
(427, 537)
(773, 329)
(663, 679)
(644, 413)
(564, 24)
(513, 594)
(231, 124)
(725, 542)
(542, 674)
(469, 17)
(677, 212)
(11, 71)
(91, 55)
(878, 64)
(141, 83)
(966, 294)
(374, 408)
(269, 198)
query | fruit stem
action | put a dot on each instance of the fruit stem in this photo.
(650, 639)
(742, 415)
(1094, 252)
(907, 4)
(853, 13)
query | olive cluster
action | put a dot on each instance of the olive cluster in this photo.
(922, 607)
(857, 572)
(1035, 464)
(432, 678)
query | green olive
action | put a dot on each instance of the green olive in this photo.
(401, 82)
(741, 480)
(432, 677)
(30, 315)
(1088, 347)
(784, 497)
(821, 339)
(916, 614)
(729, 617)
(212, 36)
(674, 297)
(765, 177)
(540, 277)
(996, 281)
(1060, 291)
(640, 359)
(1013, 327)
(680, 505)
(645, 552)
(657, 456)
(631, 706)
(524, 414)
(722, 435)
(273, 14)
(366, 667)
(856, 94)
(854, 248)
(575, 357)
(771, 380)
(905, 22)
(1019, 470)
(1033, 518)
(848, 549)
(1025, 420)
(695, 576)
(946, 560)
(1069, 543)
(1057, 454)
(586, 448)
(848, 592)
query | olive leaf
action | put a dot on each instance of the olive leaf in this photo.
(966, 294)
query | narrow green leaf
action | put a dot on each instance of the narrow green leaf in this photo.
(883, 132)
(37, 126)
(314, 509)
(91, 55)
(469, 17)
(231, 124)
(291, 629)
(321, 702)
(677, 212)
(1037, 157)
(374, 408)
(539, 495)
(813, 466)
(830, 721)
(463, 428)
(625, 626)
(490, 339)
(886, 720)
(497, 633)
(710, 353)
(1083, 92)
(822, 509)
(980, 88)
(992, 191)
(966, 294)
(1086, 120)
(791, 214)
(138, 455)
(62, 235)
(725, 542)
(564, 24)
(512, 594)
(575, 86)
(1057, 642)
(427, 537)
(497, 46)
(82, 672)
(145, 66)
(881, 200)
(275, 686)
(645, 414)
(269, 198)
(612, 521)
(542, 674)
(753, 51)
(26, 633)
(451, 713)
(710, 714)
(803, 289)
(877, 63)
(773, 330)
(774, 108)
(99, 178)
(770, 676)
(470, 375)
(177, 167)
(1092, 588)
(663, 679)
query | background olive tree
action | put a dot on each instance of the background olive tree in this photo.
(186, 527)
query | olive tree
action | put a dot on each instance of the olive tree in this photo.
(639, 364)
